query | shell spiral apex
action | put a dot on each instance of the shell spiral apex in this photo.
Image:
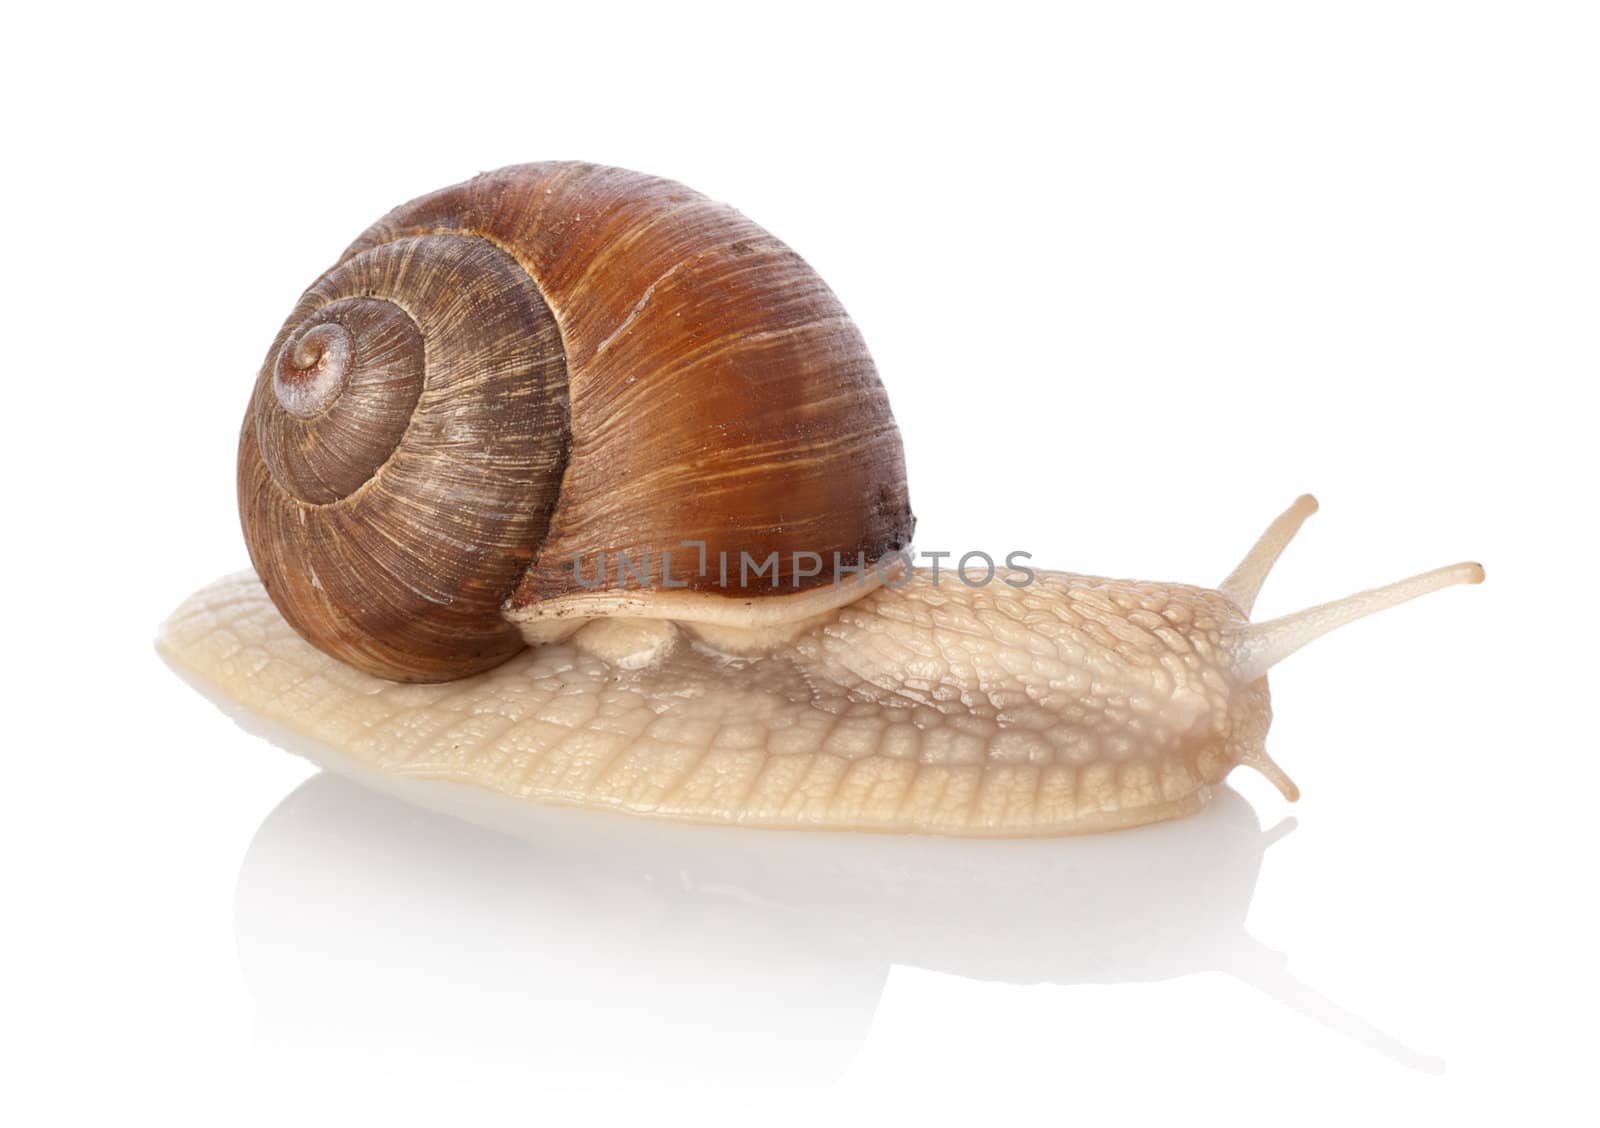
(504, 384)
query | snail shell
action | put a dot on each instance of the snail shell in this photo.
(504, 384)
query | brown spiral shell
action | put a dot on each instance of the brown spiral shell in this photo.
(502, 380)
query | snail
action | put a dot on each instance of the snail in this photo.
(570, 483)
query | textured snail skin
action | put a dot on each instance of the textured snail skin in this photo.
(1071, 704)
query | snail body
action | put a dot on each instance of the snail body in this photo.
(503, 385)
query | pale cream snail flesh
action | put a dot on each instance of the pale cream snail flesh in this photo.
(547, 484)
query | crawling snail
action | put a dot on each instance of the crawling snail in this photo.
(539, 480)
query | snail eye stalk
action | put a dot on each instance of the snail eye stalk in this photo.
(1260, 646)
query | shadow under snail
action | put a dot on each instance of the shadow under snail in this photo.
(539, 480)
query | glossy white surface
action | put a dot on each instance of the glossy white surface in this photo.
(1350, 252)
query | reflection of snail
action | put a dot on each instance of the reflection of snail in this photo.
(766, 954)
(504, 384)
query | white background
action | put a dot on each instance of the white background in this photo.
(1134, 275)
